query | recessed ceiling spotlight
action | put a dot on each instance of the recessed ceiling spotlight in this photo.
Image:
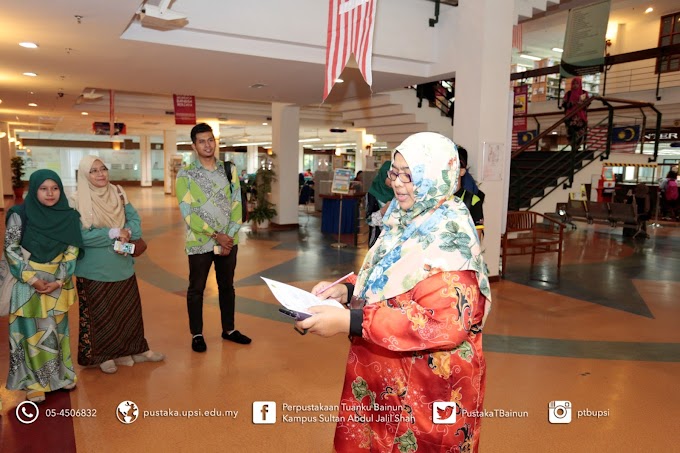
(28, 45)
(265, 124)
(84, 113)
(32, 104)
(557, 49)
(258, 85)
(339, 80)
(30, 74)
(649, 10)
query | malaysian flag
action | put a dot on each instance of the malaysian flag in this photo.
(517, 37)
(624, 139)
(350, 30)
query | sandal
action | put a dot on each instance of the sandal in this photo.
(148, 356)
(108, 367)
(35, 396)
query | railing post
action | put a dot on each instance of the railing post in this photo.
(610, 129)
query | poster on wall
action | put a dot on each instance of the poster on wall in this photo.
(585, 39)
(341, 180)
(520, 103)
(492, 166)
(185, 109)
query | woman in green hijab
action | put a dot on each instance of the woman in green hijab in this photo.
(42, 240)
(377, 200)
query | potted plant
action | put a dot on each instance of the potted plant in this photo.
(17, 164)
(263, 211)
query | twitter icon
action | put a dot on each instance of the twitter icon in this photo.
(443, 413)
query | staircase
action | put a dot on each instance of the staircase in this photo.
(393, 116)
(544, 177)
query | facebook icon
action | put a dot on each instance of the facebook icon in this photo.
(264, 412)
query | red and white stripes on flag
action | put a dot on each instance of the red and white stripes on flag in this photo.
(350, 30)
(517, 37)
(597, 141)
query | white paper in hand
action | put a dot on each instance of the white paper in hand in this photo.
(297, 299)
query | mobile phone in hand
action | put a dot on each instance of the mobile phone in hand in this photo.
(127, 247)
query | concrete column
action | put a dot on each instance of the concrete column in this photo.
(285, 136)
(169, 150)
(482, 104)
(5, 169)
(252, 164)
(145, 160)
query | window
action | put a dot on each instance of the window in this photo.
(669, 34)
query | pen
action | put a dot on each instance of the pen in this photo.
(335, 282)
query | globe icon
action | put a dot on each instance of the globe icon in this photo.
(127, 412)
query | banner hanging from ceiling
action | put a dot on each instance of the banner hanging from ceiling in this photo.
(185, 109)
(521, 100)
(585, 39)
(350, 30)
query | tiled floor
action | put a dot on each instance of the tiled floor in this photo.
(604, 337)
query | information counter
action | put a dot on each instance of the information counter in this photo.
(331, 211)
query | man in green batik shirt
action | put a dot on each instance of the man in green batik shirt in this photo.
(211, 208)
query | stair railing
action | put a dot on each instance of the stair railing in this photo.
(556, 161)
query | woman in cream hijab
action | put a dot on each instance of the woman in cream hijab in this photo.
(111, 325)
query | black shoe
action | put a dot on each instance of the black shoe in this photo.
(236, 337)
(198, 344)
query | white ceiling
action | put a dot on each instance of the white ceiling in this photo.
(110, 50)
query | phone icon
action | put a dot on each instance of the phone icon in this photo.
(27, 412)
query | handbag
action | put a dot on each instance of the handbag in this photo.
(140, 244)
(140, 247)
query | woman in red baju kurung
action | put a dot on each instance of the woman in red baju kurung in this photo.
(415, 374)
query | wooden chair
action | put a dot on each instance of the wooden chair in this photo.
(533, 237)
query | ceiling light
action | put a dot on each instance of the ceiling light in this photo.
(265, 124)
(3, 134)
(0, 101)
(258, 85)
(251, 144)
(649, 10)
(530, 57)
(84, 113)
(32, 104)
(557, 49)
(30, 74)
(339, 80)
(339, 144)
(28, 45)
(307, 140)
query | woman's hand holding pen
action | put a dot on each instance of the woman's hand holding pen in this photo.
(337, 292)
(326, 321)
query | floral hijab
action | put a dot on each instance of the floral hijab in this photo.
(436, 235)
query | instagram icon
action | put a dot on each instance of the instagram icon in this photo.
(559, 412)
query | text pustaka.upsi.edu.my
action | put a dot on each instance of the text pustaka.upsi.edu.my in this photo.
(189, 413)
